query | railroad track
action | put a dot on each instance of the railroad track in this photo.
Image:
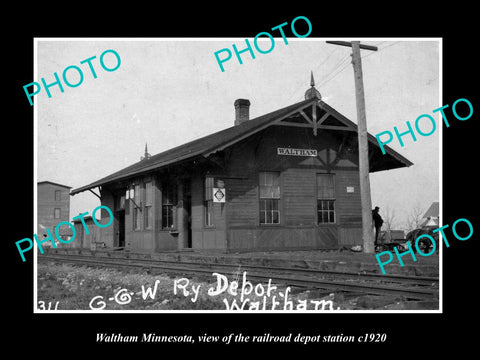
(409, 287)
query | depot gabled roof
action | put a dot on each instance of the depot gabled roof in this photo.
(222, 139)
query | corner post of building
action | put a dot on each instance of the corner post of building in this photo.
(182, 224)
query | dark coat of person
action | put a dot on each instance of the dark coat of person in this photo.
(377, 219)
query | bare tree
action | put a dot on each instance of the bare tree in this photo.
(415, 218)
(388, 218)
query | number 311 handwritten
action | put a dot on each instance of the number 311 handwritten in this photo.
(41, 305)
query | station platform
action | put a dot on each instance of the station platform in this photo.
(333, 260)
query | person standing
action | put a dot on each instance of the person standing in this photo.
(377, 222)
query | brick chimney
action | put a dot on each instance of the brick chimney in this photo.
(242, 108)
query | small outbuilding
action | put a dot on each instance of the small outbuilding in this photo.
(87, 234)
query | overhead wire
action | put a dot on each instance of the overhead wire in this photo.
(380, 49)
(364, 56)
(334, 73)
(340, 66)
(328, 57)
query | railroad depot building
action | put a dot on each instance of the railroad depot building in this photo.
(286, 180)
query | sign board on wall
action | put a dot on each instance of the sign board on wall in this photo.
(219, 195)
(296, 152)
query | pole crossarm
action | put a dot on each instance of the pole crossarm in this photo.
(349, 44)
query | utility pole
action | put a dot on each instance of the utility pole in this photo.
(367, 226)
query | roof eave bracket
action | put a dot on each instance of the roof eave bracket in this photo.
(94, 193)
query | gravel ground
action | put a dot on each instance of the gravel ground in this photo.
(80, 287)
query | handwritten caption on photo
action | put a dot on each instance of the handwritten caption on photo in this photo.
(249, 296)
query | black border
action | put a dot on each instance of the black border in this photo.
(428, 332)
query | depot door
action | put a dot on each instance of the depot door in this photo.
(121, 228)
(188, 208)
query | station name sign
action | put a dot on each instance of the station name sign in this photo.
(297, 152)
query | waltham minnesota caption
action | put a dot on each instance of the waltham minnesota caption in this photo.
(240, 338)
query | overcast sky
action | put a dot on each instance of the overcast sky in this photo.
(171, 91)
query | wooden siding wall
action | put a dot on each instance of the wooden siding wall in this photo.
(299, 197)
(349, 208)
(242, 195)
(298, 227)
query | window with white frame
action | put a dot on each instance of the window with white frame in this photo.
(325, 198)
(148, 214)
(168, 205)
(136, 207)
(208, 202)
(269, 186)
